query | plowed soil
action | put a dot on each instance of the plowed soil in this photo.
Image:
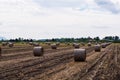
(60, 65)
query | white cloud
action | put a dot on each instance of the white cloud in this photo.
(28, 19)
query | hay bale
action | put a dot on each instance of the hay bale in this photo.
(36, 44)
(53, 46)
(30, 43)
(10, 44)
(58, 43)
(89, 44)
(4, 43)
(96, 43)
(79, 54)
(73, 44)
(38, 51)
(76, 45)
(103, 45)
(48, 43)
(67, 44)
(97, 48)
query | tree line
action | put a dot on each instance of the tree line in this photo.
(115, 39)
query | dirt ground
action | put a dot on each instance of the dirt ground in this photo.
(60, 65)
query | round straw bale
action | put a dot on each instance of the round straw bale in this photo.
(48, 43)
(97, 48)
(89, 44)
(58, 43)
(67, 44)
(10, 44)
(30, 43)
(53, 46)
(38, 51)
(79, 54)
(4, 43)
(76, 45)
(73, 44)
(96, 43)
(103, 45)
(36, 44)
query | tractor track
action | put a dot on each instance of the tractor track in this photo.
(106, 67)
(16, 55)
(109, 70)
(73, 68)
(35, 65)
(13, 70)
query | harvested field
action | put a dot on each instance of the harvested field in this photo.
(59, 64)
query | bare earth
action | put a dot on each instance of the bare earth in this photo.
(59, 65)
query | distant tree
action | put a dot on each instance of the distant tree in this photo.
(2, 40)
(109, 38)
(16, 40)
(53, 40)
(116, 38)
(31, 40)
(11, 40)
(97, 39)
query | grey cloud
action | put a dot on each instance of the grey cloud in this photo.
(107, 5)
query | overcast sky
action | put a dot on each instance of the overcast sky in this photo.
(59, 18)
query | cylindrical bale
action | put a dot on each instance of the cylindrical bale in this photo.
(10, 44)
(36, 44)
(58, 43)
(38, 51)
(76, 45)
(48, 43)
(89, 44)
(97, 48)
(73, 44)
(103, 45)
(68, 44)
(0, 51)
(30, 43)
(53, 46)
(4, 43)
(79, 54)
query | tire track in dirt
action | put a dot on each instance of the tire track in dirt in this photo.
(28, 64)
(65, 69)
(85, 70)
(7, 57)
(92, 70)
(23, 66)
(110, 70)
